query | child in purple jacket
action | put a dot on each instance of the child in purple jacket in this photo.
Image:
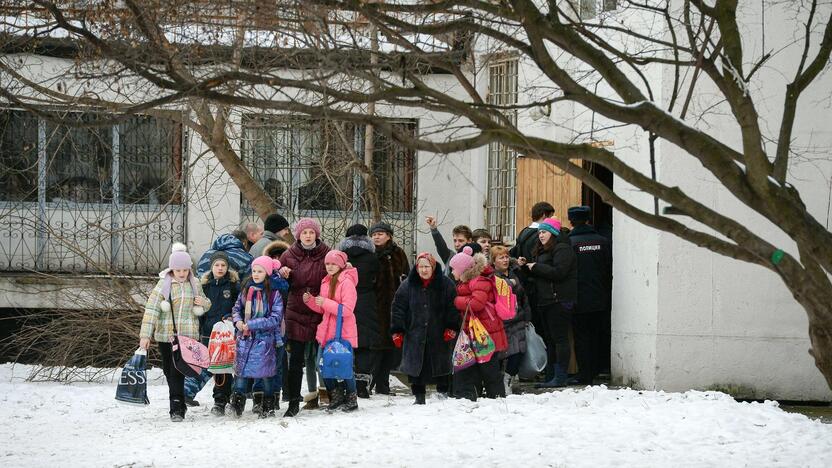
(257, 316)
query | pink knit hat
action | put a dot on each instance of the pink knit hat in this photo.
(307, 223)
(551, 225)
(267, 263)
(179, 258)
(463, 261)
(336, 257)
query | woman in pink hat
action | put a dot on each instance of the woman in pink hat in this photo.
(554, 274)
(337, 289)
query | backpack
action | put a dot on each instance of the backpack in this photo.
(336, 357)
(506, 300)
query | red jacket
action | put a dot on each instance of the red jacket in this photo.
(478, 293)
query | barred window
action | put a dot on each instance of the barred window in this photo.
(502, 161)
(81, 194)
(308, 164)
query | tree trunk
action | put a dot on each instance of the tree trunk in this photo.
(820, 335)
(217, 141)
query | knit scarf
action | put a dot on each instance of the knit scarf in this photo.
(255, 302)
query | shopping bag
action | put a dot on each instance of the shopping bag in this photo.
(481, 341)
(221, 348)
(463, 356)
(534, 359)
(132, 385)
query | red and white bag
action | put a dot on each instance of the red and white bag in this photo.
(222, 348)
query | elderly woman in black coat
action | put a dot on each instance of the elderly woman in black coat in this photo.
(424, 325)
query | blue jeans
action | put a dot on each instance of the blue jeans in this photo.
(241, 384)
(277, 380)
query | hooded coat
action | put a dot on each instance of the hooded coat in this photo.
(393, 267)
(307, 272)
(475, 293)
(422, 314)
(238, 257)
(223, 294)
(346, 296)
(361, 254)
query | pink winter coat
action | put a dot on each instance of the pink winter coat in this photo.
(344, 294)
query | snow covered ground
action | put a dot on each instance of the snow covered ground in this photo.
(49, 424)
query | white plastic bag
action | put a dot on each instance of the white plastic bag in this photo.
(534, 359)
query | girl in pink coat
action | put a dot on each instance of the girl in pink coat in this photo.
(337, 288)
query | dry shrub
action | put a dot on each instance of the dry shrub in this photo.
(82, 344)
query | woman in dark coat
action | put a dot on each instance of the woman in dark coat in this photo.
(393, 267)
(303, 266)
(515, 327)
(554, 274)
(424, 324)
(361, 253)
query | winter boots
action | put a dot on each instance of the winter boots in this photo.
(351, 404)
(336, 398)
(267, 409)
(310, 401)
(177, 410)
(294, 409)
(559, 379)
(420, 399)
(218, 409)
(257, 399)
(189, 401)
(362, 387)
(238, 404)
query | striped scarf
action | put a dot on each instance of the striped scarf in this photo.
(255, 302)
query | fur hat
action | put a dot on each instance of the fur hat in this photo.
(267, 263)
(336, 257)
(275, 223)
(463, 261)
(551, 225)
(179, 258)
(357, 230)
(579, 213)
(381, 227)
(307, 223)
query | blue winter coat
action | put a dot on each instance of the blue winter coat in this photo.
(223, 294)
(256, 356)
(238, 257)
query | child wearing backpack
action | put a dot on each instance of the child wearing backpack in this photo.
(177, 297)
(257, 316)
(337, 289)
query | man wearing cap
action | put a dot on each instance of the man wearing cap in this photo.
(275, 227)
(393, 267)
(591, 320)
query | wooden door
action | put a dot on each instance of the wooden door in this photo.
(539, 180)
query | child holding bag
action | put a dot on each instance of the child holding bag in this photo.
(257, 316)
(337, 289)
(176, 296)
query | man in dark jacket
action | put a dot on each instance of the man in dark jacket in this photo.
(461, 235)
(361, 253)
(592, 315)
(393, 268)
(274, 227)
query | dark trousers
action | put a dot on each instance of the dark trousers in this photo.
(175, 379)
(488, 375)
(297, 358)
(418, 386)
(588, 330)
(513, 364)
(556, 322)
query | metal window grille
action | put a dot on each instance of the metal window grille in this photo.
(308, 167)
(502, 161)
(78, 197)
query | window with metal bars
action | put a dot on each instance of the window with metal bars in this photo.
(502, 161)
(78, 194)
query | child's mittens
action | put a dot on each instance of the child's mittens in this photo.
(164, 306)
(449, 334)
(398, 339)
(198, 310)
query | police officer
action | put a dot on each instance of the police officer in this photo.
(591, 319)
